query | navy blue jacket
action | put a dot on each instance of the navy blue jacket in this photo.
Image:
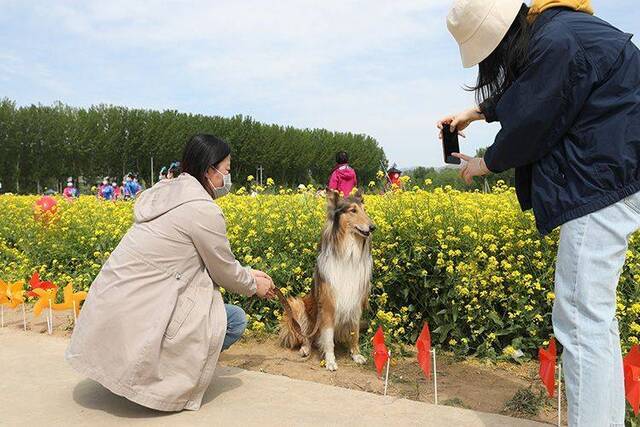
(571, 121)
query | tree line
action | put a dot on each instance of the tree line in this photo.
(441, 177)
(41, 145)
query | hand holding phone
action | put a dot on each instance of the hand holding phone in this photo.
(450, 145)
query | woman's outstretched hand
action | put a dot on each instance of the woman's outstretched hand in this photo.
(459, 122)
(264, 284)
(474, 166)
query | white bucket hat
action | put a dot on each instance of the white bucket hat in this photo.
(480, 25)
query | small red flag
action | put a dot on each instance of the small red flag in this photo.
(424, 350)
(548, 366)
(380, 352)
(632, 378)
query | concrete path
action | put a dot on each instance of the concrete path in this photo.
(38, 388)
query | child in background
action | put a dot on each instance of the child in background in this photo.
(343, 178)
(107, 191)
(116, 191)
(70, 191)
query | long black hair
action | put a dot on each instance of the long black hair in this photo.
(202, 152)
(500, 69)
(342, 157)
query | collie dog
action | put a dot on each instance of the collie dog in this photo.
(341, 285)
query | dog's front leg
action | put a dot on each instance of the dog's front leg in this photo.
(354, 347)
(326, 344)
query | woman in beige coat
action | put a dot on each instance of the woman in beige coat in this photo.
(154, 323)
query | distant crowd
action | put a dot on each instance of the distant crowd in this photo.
(343, 179)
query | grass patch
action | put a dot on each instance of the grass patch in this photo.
(455, 402)
(525, 403)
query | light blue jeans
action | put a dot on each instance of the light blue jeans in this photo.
(236, 324)
(591, 254)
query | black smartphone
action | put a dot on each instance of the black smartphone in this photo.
(450, 145)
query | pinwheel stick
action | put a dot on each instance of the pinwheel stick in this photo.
(435, 376)
(386, 379)
(2, 314)
(559, 394)
(50, 318)
(24, 317)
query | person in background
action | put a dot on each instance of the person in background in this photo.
(117, 195)
(343, 178)
(131, 187)
(163, 174)
(70, 191)
(107, 192)
(137, 186)
(393, 178)
(174, 170)
(101, 187)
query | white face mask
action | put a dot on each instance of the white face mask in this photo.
(226, 187)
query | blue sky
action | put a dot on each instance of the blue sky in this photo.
(385, 68)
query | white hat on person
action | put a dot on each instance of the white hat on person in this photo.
(480, 25)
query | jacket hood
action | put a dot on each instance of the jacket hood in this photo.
(539, 6)
(167, 195)
(345, 172)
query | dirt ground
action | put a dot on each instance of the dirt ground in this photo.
(470, 383)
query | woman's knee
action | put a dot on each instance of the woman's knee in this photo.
(236, 320)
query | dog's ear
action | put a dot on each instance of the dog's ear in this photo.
(333, 200)
(358, 197)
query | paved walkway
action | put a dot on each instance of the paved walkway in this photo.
(38, 388)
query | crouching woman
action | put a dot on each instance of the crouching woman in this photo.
(154, 322)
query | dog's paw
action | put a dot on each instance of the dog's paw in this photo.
(332, 366)
(304, 351)
(359, 359)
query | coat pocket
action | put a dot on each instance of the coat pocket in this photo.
(183, 308)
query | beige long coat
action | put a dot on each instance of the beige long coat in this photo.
(153, 324)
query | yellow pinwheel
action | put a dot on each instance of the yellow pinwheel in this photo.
(71, 300)
(46, 298)
(11, 294)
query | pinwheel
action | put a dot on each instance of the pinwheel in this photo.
(35, 283)
(46, 298)
(71, 301)
(12, 295)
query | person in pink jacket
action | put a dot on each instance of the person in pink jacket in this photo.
(343, 178)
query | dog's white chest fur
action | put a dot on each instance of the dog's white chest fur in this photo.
(349, 275)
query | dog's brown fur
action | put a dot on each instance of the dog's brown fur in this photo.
(342, 282)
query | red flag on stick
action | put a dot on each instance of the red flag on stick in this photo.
(380, 352)
(548, 366)
(424, 350)
(632, 378)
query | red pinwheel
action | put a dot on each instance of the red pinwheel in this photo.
(424, 350)
(632, 378)
(380, 352)
(548, 366)
(36, 283)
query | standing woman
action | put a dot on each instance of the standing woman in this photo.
(565, 87)
(154, 323)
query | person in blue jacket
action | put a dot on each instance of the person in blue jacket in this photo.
(565, 88)
(131, 187)
(108, 192)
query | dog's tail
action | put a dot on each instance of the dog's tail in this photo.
(294, 323)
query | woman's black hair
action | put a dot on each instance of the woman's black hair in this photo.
(500, 69)
(342, 157)
(202, 152)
